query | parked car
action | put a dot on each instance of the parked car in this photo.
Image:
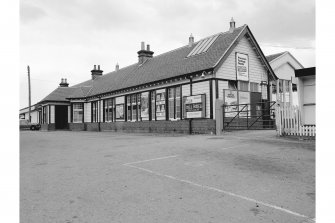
(25, 124)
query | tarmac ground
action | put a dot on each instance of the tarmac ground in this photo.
(100, 177)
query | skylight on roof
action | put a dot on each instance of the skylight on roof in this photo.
(203, 46)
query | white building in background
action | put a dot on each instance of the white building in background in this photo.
(24, 114)
(306, 89)
(284, 66)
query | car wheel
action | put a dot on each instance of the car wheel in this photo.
(32, 128)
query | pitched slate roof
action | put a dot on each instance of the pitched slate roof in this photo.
(61, 93)
(274, 56)
(164, 66)
(161, 67)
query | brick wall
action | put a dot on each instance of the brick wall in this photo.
(77, 126)
(92, 126)
(202, 126)
(199, 126)
(47, 127)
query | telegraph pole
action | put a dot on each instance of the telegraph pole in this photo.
(29, 93)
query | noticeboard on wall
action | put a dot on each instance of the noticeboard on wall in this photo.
(195, 106)
(231, 100)
(145, 106)
(119, 114)
(242, 66)
(160, 104)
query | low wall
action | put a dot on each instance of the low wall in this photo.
(77, 126)
(47, 127)
(199, 126)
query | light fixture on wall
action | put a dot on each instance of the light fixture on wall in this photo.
(203, 74)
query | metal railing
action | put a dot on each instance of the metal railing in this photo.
(260, 115)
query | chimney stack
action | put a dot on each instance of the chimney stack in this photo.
(63, 83)
(117, 67)
(144, 54)
(232, 25)
(96, 72)
(190, 40)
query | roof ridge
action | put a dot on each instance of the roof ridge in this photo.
(217, 34)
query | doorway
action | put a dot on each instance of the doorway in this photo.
(61, 115)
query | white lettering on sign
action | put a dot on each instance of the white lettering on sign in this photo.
(195, 106)
(242, 67)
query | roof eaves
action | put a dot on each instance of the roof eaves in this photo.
(279, 56)
(295, 59)
(230, 46)
(262, 54)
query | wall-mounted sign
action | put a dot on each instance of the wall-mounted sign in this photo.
(195, 106)
(230, 99)
(145, 106)
(242, 67)
(160, 104)
(119, 112)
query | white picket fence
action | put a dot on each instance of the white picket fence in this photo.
(288, 122)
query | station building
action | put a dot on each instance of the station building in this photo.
(178, 91)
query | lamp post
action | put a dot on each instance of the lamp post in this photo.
(29, 95)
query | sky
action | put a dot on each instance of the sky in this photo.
(66, 38)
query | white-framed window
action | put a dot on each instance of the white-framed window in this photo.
(174, 102)
(134, 107)
(129, 108)
(232, 85)
(109, 110)
(78, 112)
(153, 105)
(243, 85)
(94, 111)
(254, 87)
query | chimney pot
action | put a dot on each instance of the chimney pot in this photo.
(144, 54)
(232, 25)
(190, 40)
(117, 67)
(63, 83)
(96, 72)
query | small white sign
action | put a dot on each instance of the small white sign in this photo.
(242, 67)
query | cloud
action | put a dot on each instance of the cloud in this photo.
(30, 13)
(64, 38)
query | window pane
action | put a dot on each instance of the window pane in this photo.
(243, 86)
(153, 105)
(178, 107)
(177, 91)
(254, 87)
(160, 105)
(232, 85)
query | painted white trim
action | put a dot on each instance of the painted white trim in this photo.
(143, 161)
(223, 192)
(230, 46)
